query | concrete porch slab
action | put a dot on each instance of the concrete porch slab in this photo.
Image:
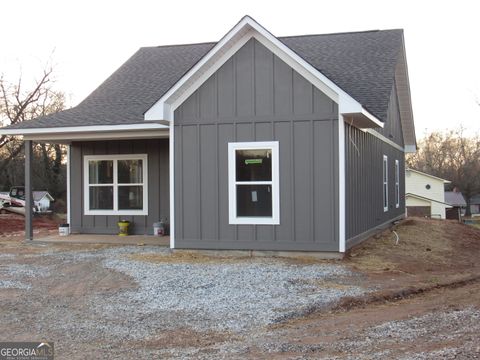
(106, 239)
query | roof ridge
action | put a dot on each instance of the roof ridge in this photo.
(177, 45)
(278, 37)
(340, 33)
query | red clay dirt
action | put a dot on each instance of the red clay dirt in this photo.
(14, 225)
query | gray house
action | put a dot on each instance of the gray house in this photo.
(252, 143)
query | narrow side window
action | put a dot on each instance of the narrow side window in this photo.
(397, 184)
(385, 183)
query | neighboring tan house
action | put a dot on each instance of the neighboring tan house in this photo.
(42, 200)
(456, 200)
(254, 142)
(425, 194)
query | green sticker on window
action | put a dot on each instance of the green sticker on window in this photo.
(253, 161)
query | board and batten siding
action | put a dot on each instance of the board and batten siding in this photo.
(392, 128)
(158, 185)
(255, 96)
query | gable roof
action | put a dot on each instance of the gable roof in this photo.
(428, 175)
(455, 198)
(427, 199)
(361, 63)
(39, 195)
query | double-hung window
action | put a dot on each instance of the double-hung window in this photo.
(385, 183)
(397, 184)
(115, 185)
(253, 189)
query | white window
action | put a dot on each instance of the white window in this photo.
(385, 183)
(253, 183)
(397, 184)
(115, 184)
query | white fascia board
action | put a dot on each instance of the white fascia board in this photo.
(98, 136)
(83, 129)
(158, 110)
(225, 48)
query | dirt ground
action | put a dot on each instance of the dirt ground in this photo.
(423, 303)
(13, 225)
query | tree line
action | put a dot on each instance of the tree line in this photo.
(19, 103)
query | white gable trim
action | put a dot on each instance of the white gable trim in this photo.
(246, 29)
(405, 103)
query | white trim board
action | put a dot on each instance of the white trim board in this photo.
(171, 176)
(341, 185)
(384, 139)
(69, 210)
(84, 129)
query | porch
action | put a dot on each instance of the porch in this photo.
(139, 240)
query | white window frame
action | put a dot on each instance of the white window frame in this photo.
(232, 184)
(397, 184)
(115, 158)
(385, 183)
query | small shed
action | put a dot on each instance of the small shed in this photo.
(457, 201)
(42, 200)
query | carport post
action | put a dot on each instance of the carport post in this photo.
(28, 191)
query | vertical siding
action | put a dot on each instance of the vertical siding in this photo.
(158, 188)
(364, 182)
(393, 125)
(255, 96)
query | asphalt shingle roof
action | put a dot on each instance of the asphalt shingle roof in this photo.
(361, 63)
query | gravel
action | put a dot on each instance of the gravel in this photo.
(12, 284)
(233, 296)
(237, 299)
(224, 296)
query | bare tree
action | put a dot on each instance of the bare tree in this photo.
(453, 156)
(18, 104)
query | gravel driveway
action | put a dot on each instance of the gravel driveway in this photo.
(105, 296)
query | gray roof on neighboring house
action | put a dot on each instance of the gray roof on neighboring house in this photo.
(361, 63)
(39, 195)
(454, 198)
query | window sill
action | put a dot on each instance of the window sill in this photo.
(254, 221)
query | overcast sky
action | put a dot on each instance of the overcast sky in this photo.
(87, 40)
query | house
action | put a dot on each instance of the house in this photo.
(42, 200)
(425, 194)
(475, 205)
(250, 143)
(456, 200)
